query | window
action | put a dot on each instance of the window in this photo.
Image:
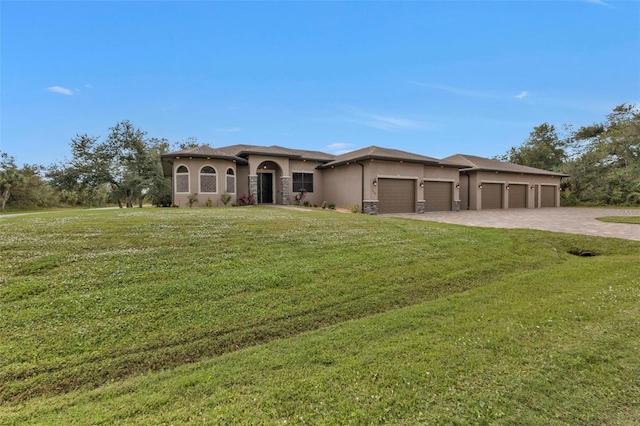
(231, 181)
(302, 181)
(182, 179)
(208, 182)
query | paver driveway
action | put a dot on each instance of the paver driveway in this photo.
(571, 220)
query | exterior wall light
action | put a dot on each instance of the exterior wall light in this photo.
(457, 186)
(480, 186)
(421, 184)
(533, 187)
(375, 182)
(508, 187)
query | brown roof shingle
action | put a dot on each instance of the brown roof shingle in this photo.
(475, 163)
(377, 153)
(278, 151)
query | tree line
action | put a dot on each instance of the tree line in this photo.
(122, 169)
(602, 162)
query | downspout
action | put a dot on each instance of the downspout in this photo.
(362, 187)
(468, 191)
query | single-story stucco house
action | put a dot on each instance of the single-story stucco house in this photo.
(377, 180)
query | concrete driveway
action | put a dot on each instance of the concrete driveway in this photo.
(571, 220)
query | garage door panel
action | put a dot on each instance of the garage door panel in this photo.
(396, 196)
(548, 196)
(438, 196)
(491, 196)
(517, 196)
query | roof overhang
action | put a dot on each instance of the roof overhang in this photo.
(169, 159)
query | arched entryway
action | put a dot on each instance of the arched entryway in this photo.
(268, 192)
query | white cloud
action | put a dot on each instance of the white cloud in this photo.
(338, 148)
(230, 130)
(88, 86)
(522, 95)
(387, 123)
(61, 90)
(458, 90)
(599, 3)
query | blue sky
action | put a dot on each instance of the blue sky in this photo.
(434, 78)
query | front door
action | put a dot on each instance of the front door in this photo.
(265, 188)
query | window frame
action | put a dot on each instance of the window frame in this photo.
(214, 174)
(226, 181)
(186, 174)
(297, 186)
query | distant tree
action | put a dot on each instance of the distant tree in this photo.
(33, 191)
(133, 166)
(159, 192)
(543, 150)
(125, 162)
(89, 168)
(188, 143)
(10, 177)
(607, 169)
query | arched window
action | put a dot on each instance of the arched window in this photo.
(231, 181)
(208, 182)
(182, 180)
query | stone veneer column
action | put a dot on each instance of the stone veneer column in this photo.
(253, 187)
(421, 207)
(370, 207)
(286, 189)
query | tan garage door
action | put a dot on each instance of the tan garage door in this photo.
(491, 196)
(517, 196)
(548, 196)
(438, 196)
(396, 196)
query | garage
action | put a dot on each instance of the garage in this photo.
(491, 196)
(517, 196)
(396, 196)
(438, 196)
(547, 196)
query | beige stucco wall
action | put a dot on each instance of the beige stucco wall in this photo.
(342, 185)
(349, 184)
(242, 181)
(443, 174)
(535, 181)
(379, 169)
(195, 165)
(299, 166)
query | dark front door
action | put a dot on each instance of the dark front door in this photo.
(265, 188)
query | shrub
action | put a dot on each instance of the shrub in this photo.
(193, 198)
(332, 206)
(307, 203)
(324, 205)
(355, 208)
(300, 197)
(246, 200)
(208, 203)
(225, 198)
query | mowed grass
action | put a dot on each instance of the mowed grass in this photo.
(621, 219)
(266, 316)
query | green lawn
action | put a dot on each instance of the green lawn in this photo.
(621, 219)
(266, 316)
